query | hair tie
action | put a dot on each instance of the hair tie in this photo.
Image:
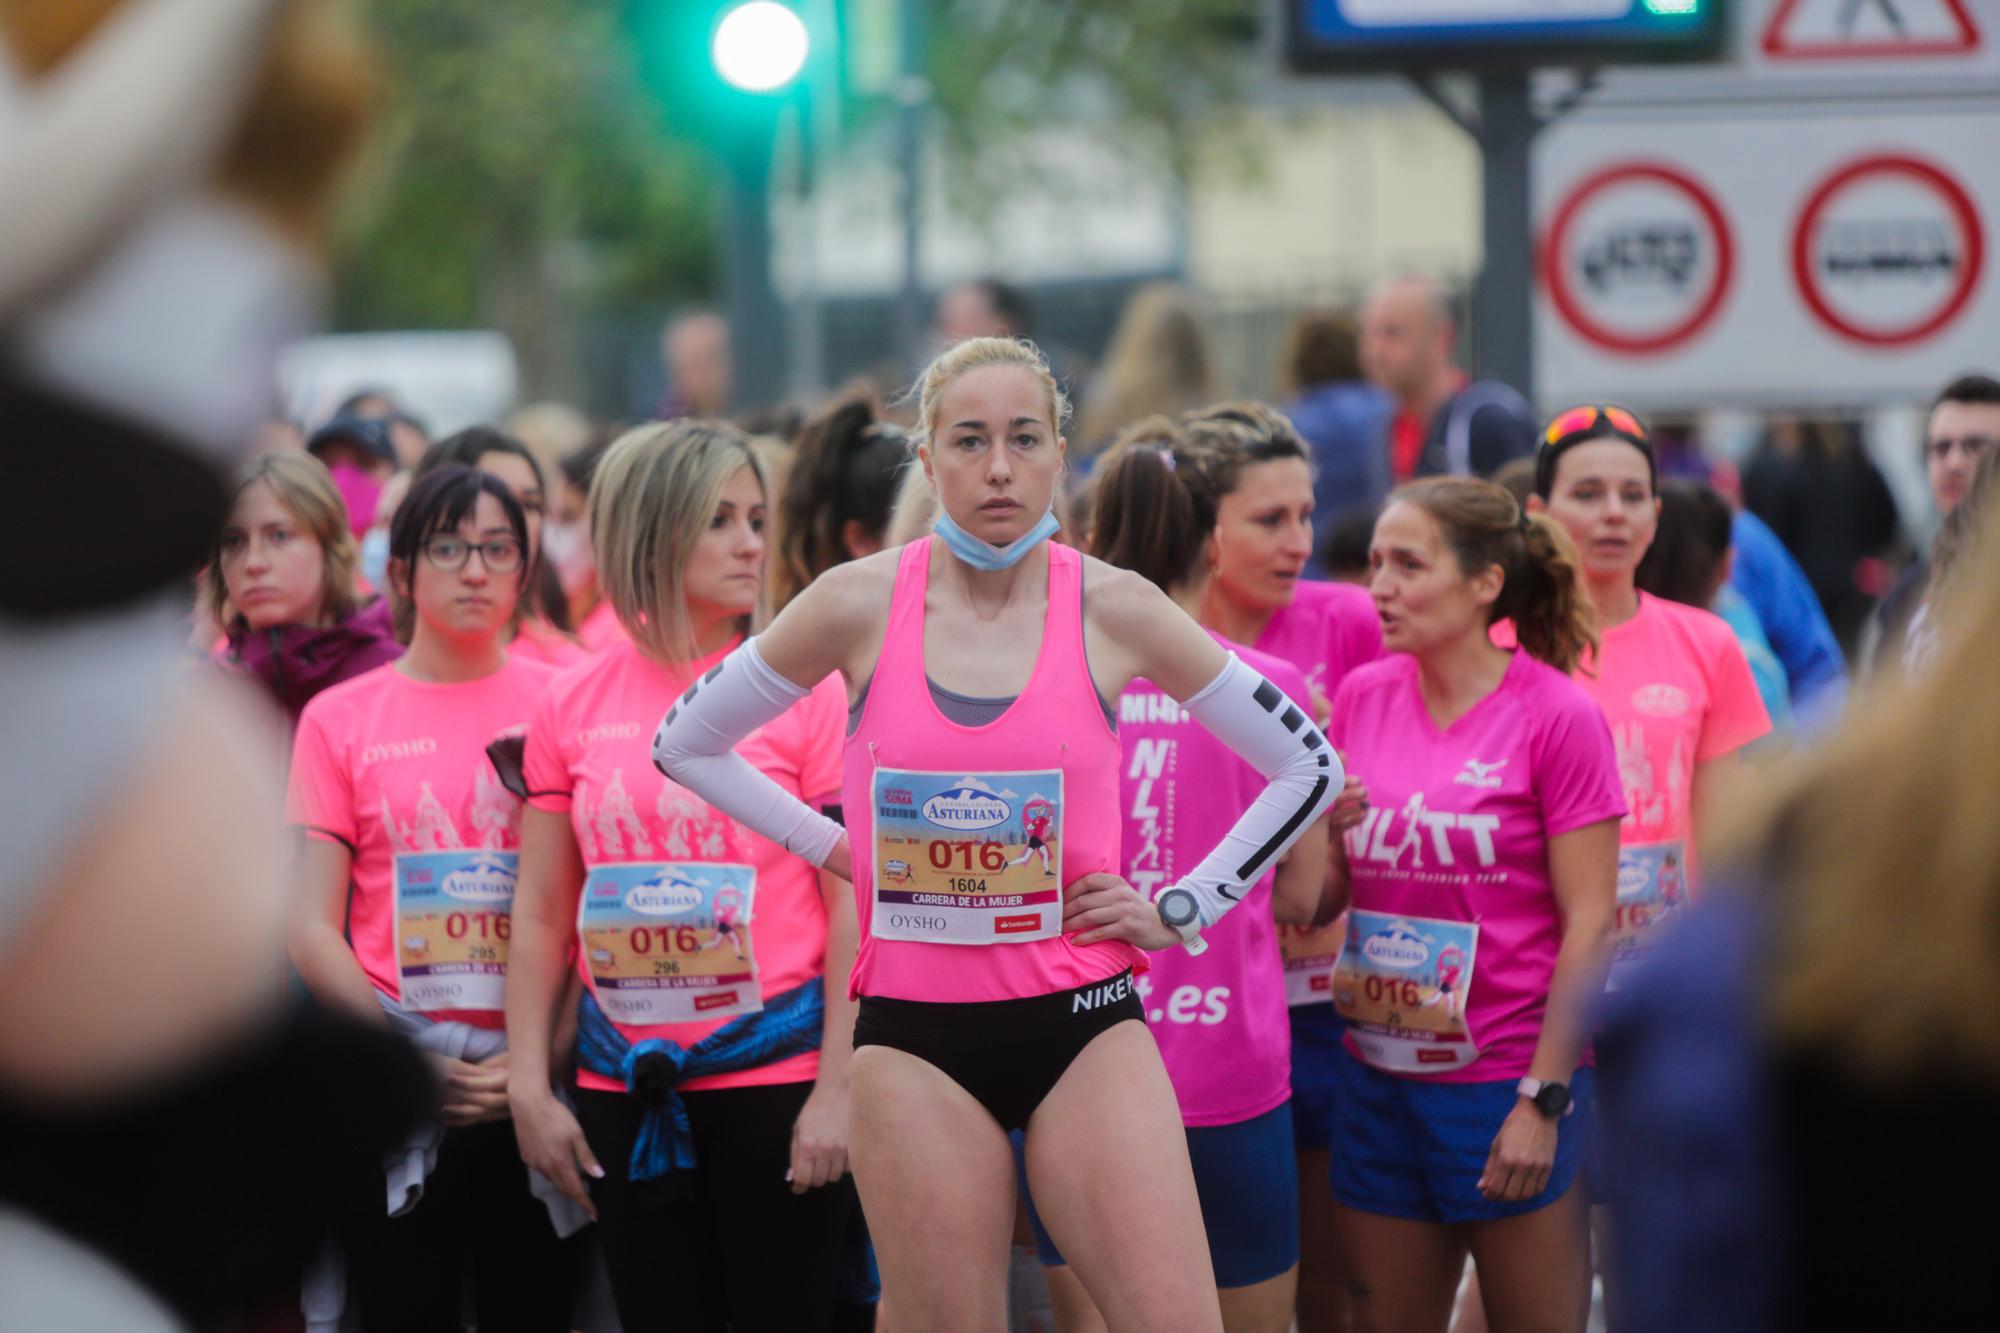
(1167, 458)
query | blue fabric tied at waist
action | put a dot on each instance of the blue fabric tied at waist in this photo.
(653, 1070)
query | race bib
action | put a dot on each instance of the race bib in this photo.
(454, 916)
(669, 942)
(1652, 884)
(968, 858)
(1309, 960)
(1403, 983)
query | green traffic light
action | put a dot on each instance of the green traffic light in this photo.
(759, 47)
(1673, 7)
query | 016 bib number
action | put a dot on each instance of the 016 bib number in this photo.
(1403, 983)
(972, 858)
(1652, 885)
(670, 942)
(454, 918)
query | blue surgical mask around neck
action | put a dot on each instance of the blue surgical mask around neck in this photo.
(984, 554)
(375, 558)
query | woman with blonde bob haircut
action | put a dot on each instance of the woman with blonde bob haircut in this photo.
(714, 1028)
(281, 580)
(981, 768)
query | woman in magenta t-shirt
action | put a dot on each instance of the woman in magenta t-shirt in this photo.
(1482, 894)
(1672, 680)
(714, 1027)
(1258, 594)
(408, 869)
(1218, 1018)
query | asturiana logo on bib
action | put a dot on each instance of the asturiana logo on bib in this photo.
(969, 804)
(1398, 946)
(486, 879)
(1632, 879)
(668, 895)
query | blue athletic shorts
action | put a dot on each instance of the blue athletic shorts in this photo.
(1246, 1175)
(1317, 1034)
(1411, 1147)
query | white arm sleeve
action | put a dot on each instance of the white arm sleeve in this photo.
(696, 742)
(1257, 720)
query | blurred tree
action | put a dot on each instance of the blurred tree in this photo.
(522, 175)
(539, 162)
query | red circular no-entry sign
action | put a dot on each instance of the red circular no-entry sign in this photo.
(1882, 252)
(1667, 254)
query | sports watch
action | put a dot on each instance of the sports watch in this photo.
(1182, 914)
(1551, 1099)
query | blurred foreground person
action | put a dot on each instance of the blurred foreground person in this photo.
(163, 169)
(282, 582)
(1799, 1093)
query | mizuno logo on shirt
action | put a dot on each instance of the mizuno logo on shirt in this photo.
(1477, 774)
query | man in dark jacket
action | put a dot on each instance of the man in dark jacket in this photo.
(1446, 421)
(1964, 424)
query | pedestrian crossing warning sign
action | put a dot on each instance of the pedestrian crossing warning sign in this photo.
(1869, 29)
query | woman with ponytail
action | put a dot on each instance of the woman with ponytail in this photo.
(838, 497)
(1671, 679)
(1481, 887)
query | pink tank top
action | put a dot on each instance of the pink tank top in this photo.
(977, 829)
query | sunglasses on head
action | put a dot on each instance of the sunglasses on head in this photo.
(1592, 419)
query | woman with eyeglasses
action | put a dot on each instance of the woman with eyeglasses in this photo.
(543, 633)
(404, 910)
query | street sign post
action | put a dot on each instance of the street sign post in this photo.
(1501, 42)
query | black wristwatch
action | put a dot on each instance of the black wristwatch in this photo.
(1551, 1099)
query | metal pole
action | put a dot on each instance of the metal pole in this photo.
(1503, 310)
(913, 94)
(756, 323)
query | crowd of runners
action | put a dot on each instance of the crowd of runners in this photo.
(778, 876)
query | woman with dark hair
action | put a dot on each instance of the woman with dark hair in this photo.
(1669, 676)
(1258, 593)
(404, 913)
(281, 580)
(1690, 562)
(543, 628)
(838, 496)
(1483, 885)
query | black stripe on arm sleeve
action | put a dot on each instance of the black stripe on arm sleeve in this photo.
(1247, 873)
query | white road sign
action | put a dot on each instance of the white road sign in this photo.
(1704, 258)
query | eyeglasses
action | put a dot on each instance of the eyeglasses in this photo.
(502, 555)
(1974, 447)
(1591, 419)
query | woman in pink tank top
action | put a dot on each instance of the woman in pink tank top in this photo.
(998, 940)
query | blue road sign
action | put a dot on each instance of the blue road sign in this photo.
(1484, 34)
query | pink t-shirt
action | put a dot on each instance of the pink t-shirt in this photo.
(396, 770)
(601, 628)
(1677, 692)
(1327, 631)
(539, 641)
(1453, 931)
(1220, 1018)
(683, 909)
